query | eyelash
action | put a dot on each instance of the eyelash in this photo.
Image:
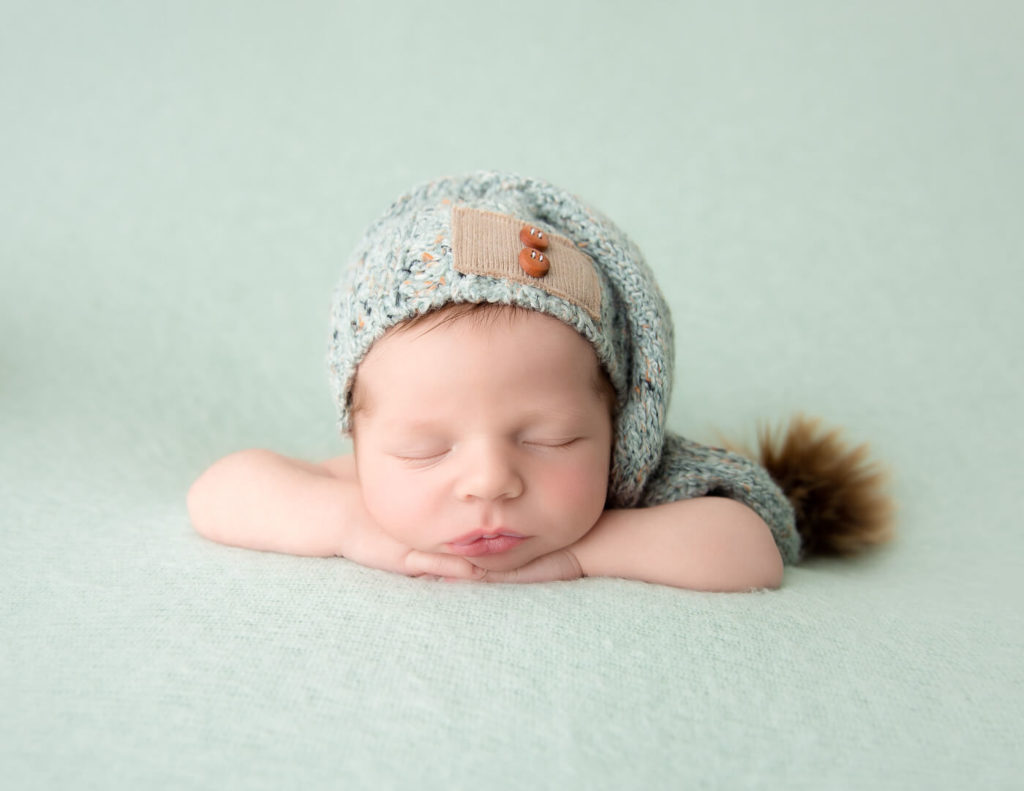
(563, 444)
(425, 461)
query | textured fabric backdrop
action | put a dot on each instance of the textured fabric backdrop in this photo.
(831, 196)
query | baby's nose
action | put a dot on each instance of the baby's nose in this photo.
(489, 473)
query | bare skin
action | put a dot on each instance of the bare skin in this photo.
(286, 505)
(502, 437)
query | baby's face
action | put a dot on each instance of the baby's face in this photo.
(472, 429)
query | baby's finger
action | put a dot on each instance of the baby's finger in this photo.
(558, 565)
(441, 565)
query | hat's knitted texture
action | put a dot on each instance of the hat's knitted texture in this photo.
(403, 267)
(689, 469)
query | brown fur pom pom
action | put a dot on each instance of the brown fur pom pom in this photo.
(838, 493)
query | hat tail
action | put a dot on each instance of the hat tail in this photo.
(838, 493)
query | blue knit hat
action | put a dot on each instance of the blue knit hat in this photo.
(500, 238)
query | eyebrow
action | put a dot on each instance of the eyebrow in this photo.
(414, 426)
(572, 412)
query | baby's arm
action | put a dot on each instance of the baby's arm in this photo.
(261, 500)
(703, 543)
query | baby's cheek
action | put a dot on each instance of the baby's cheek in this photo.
(398, 508)
(577, 488)
(384, 504)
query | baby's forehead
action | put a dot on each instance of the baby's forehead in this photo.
(502, 338)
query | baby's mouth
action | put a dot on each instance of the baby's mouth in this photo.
(485, 542)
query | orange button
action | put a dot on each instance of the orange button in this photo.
(534, 262)
(533, 237)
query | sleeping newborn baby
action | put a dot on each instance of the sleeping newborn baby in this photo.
(501, 358)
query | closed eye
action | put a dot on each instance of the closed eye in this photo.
(552, 443)
(420, 459)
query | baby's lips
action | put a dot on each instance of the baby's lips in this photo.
(487, 546)
(476, 535)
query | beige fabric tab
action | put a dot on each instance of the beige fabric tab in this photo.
(487, 243)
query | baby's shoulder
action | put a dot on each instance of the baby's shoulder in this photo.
(341, 467)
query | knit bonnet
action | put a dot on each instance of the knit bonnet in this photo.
(501, 238)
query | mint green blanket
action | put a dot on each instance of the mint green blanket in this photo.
(831, 198)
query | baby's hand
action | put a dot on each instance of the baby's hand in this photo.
(558, 565)
(370, 546)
